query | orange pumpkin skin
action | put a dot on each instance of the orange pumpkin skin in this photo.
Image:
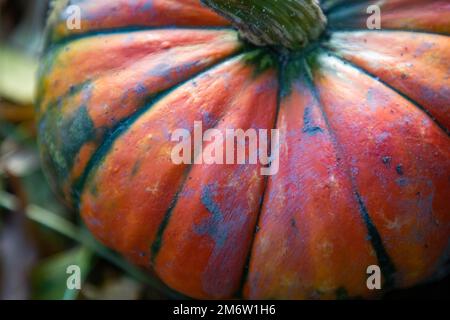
(364, 174)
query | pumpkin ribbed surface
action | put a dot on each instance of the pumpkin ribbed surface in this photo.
(364, 174)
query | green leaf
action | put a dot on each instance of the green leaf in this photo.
(49, 278)
(17, 76)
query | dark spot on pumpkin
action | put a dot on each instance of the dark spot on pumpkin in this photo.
(308, 123)
(399, 169)
(136, 168)
(147, 6)
(140, 89)
(293, 223)
(387, 160)
(423, 48)
(93, 190)
(402, 182)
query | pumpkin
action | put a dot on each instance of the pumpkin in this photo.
(364, 155)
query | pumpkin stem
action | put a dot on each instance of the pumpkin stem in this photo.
(291, 24)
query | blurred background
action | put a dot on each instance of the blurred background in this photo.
(39, 237)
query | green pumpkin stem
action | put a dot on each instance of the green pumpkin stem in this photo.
(291, 24)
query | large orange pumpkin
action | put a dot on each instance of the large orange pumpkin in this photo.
(364, 174)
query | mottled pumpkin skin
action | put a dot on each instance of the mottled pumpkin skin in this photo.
(364, 161)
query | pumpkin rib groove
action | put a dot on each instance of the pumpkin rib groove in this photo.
(404, 96)
(387, 266)
(155, 247)
(384, 260)
(387, 30)
(244, 278)
(57, 44)
(122, 127)
(240, 292)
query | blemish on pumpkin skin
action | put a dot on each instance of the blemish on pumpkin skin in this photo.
(171, 72)
(84, 88)
(62, 140)
(376, 98)
(309, 127)
(208, 119)
(140, 89)
(387, 160)
(370, 98)
(87, 91)
(267, 86)
(93, 190)
(216, 228)
(161, 70)
(136, 168)
(399, 169)
(186, 68)
(94, 222)
(428, 93)
(72, 89)
(402, 182)
(423, 48)
(153, 189)
(354, 170)
(293, 223)
(220, 224)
